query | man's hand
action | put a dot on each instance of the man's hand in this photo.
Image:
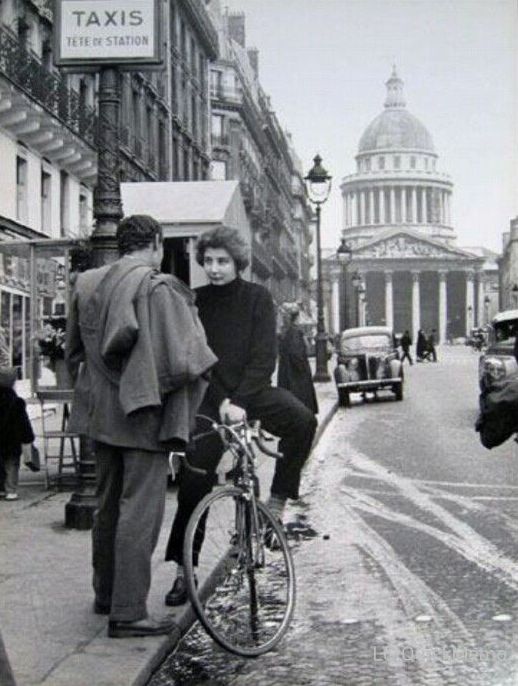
(231, 414)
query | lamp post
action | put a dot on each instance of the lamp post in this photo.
(470, 313)
(344, 254)
(487, 300)
(318, 187)
(361, 304)
(357, 282)
(514, 290)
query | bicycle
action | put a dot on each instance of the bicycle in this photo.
(246, 601)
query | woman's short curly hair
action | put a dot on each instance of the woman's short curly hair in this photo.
(229, 239)
(136, 232)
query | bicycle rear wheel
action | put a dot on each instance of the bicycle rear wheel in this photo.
(246, 595)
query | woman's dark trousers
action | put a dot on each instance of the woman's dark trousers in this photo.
(281, 414)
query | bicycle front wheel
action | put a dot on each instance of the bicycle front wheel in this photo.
(246, 592)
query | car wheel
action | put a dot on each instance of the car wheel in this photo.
(343, 397)
(398, 390)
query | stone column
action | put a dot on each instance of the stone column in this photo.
(346, 210)
(425, 205)
(351, 215)
(404, 217)
(389, 300)
(371, 206)
(392, 205)
(414, 204)
(362, 208)
(416, 304)
(480, 299)
(443, 306)
(335, 303)
(448, 208)
(382, 204)
(470, 301)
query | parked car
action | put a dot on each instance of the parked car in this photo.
(498, 361)
(367, 360)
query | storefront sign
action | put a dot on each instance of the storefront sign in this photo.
(118, 32)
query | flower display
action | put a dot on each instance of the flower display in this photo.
(51, 338)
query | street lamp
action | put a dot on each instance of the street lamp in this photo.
(514, 290)
(357, 283)
(487, 300)
(344, 254)
(470, 312)
(318, 187)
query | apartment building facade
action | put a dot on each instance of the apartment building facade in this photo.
(249, 144)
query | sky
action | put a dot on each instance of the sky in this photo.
(325, 63)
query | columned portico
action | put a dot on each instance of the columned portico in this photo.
(389, 300)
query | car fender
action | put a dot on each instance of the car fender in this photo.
(395, 368)
(341, 374)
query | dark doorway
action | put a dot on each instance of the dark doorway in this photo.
(176, 259)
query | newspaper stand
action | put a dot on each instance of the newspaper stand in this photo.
(40, 269)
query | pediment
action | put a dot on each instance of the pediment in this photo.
(407, 245)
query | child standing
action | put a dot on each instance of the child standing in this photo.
(16, 434)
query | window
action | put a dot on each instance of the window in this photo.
(136, 112)
(397, 161)
(367, 164)
(381, 163)
(46, 200)
(412, 163)
(218, 170)
(64, 203)
(216, 83)
(83, 213)
(21, 188)
(426, 162)
(186, 165)
(217, 126)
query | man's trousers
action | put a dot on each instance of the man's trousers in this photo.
(281, 414)
(131, 488)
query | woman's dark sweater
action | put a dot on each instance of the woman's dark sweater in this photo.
(239, 320)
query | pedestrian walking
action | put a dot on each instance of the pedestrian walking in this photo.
(406, 342)
(421, 351)
(16, 434)
(294, 372)
(430, 346)
(239, 320)
(144, 355)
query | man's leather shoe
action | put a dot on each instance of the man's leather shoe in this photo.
(178, 595)
(142, 627)
(101, 608)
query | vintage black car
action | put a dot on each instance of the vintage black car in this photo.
(367, 361)
(498, 362)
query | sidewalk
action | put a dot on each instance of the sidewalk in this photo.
(51, 635)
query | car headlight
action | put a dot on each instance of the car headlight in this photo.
(494, 367)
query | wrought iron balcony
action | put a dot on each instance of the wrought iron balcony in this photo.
(47, 89)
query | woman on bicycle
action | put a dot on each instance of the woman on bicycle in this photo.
(239, 321)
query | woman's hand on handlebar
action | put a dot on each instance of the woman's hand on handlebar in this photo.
(230, 413)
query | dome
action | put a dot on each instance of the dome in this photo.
(395, 128)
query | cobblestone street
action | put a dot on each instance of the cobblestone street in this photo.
(406, 568)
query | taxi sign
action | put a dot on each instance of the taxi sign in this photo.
(118, 32)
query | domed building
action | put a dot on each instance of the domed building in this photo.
(397, 223)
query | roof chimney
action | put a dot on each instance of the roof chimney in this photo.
(236, 27)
